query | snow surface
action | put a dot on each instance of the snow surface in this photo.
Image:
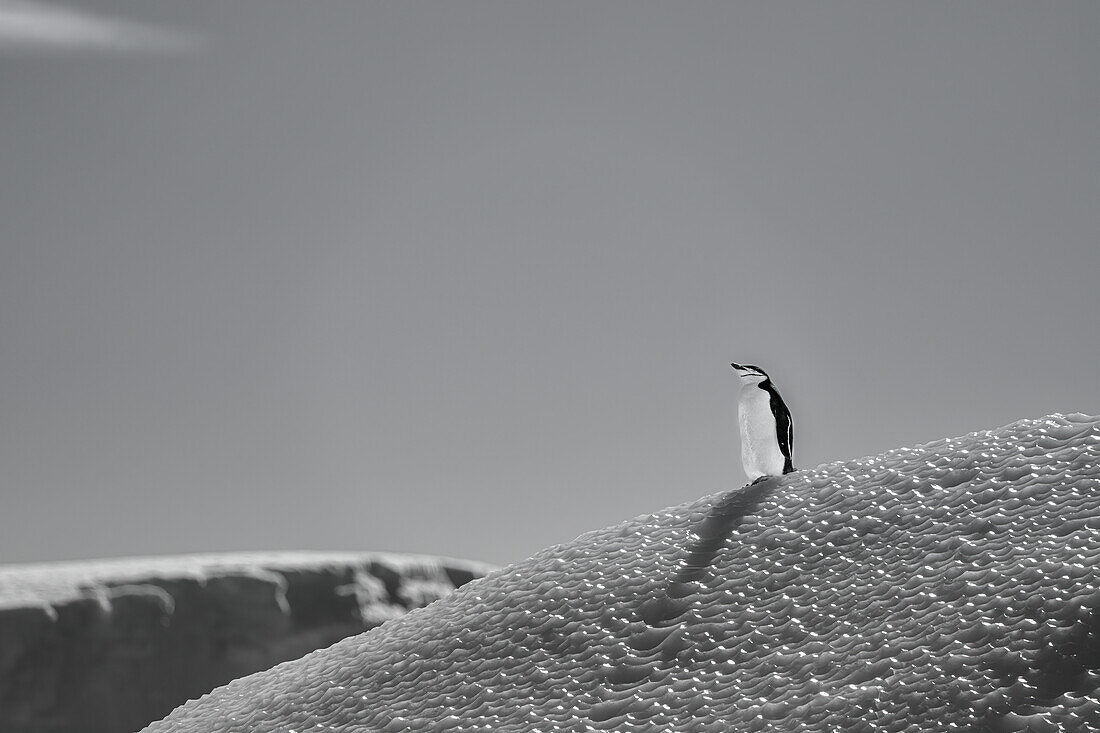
(949, 587)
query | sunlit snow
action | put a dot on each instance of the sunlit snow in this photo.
(952, 586)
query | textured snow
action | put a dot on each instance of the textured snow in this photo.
(948, 587)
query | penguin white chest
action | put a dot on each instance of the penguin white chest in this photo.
(760, 454)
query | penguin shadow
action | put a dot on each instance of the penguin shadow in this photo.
(711, 534)
(661, 637)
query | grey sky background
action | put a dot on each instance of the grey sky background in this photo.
(466, 277)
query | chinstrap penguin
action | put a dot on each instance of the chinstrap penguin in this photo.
(767, 437)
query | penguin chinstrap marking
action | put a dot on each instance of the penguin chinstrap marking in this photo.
(767, 434)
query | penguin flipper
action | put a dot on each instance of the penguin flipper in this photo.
(784, 427)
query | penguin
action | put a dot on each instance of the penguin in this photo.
(767, 437)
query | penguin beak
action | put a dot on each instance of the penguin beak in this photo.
(738, 367)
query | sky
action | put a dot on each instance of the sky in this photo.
(465, 278)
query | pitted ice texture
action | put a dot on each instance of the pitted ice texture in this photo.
(949, 587)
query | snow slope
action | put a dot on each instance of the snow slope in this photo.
(950, 587)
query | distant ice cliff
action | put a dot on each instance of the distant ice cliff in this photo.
(106, 646)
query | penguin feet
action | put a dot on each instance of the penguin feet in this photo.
(758, 479)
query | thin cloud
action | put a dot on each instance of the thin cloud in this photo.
(29, 25)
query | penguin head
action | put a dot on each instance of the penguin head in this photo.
(750, 374)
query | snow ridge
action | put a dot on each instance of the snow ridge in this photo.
(951, 586)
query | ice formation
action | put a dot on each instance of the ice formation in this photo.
(949, 587)
(106, 646)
